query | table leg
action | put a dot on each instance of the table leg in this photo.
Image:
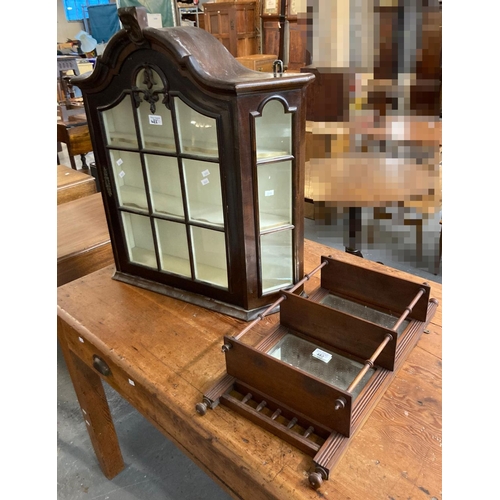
(72, 161)
(94, 406)
(355, 227)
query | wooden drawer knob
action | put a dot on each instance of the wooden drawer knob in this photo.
(101, 366)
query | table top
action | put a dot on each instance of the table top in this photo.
(67, 176)
(81, 225)
(173, 350)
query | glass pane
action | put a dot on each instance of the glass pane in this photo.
(129, 180)
(139, 239)
(174, 252)
(198, 133)
(276, 260)
(364, 312)
(119, 125)
(164, 185)
(156, 127)
(328, 366)
(275, 194)
(209, 248)
(204, 195)
(157, 131)
(273, 131)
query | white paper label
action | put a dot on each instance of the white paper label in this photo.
(205, 173)
(322, 355)
(205, 181)
(119, 161)
(122, 174)
(155, 120)
(270, 192)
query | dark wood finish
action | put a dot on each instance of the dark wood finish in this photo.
(380, 289)
(347, 333)
(334, 330)
(195, 67)
(171, 372)
(75, 134)
(386, 57)
(328, 97)
(293, 387)
(83, 243)
(72, 184)
(297, 47)
(233, 24)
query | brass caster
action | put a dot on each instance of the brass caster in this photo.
(201, 408)
(316, 480)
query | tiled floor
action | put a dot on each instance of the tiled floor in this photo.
(154, 468)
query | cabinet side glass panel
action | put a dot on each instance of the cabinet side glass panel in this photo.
(274, 181)
(173, 245)
(273, 130)
(119, 125)
(129, 181)
(209, 249)
(198, 132)
(326, 365)
(276, 260)
(204, 195)
(164, 185)
(139, 239)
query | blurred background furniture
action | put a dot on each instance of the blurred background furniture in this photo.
(73, 184)
(74, 132)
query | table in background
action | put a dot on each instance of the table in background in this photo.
(83, 242)
(163, 354)
(74, 132)
(73, 184)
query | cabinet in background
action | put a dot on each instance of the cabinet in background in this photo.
(234, 25)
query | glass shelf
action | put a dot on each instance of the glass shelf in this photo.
(326, 365)
(364, 312)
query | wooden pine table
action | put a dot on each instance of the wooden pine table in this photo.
(163, 354)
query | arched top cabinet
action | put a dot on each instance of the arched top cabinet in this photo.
(201, 165)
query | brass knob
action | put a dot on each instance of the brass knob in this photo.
(101, 366)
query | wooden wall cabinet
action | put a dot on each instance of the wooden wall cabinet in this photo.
(234, 25)
(201, 163)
